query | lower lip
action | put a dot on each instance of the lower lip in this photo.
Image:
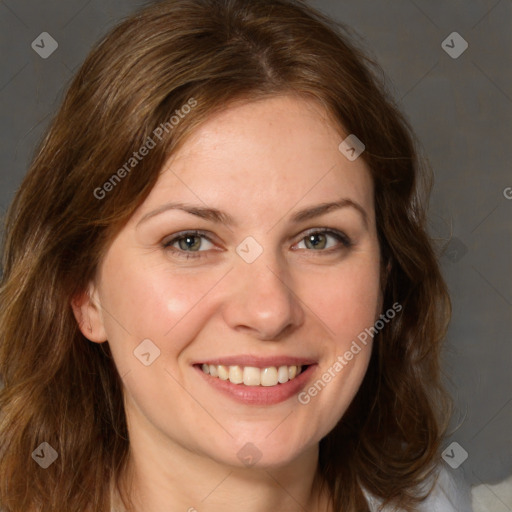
(260, 395)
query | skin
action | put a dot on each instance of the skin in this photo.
(260, 162)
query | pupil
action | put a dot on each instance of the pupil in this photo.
(312, 238)
(188, 244)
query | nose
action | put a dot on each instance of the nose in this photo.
(262, 299)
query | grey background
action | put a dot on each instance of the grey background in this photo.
(461, 110)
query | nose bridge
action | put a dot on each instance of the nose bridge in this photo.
(262, 297)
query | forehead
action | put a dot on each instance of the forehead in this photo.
(271, 153)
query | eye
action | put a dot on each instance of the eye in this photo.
(188, 242)
(318, 240)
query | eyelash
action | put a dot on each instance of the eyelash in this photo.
(341, 237)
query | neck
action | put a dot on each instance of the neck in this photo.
(178, 479)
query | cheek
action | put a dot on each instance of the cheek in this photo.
(346, 299)
(152, 302)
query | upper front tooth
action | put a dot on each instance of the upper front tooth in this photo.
(292, 372)
(282, 374)
(269, 376)
(236, 375)
(252, 376)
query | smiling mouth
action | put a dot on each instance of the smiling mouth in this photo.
(253, 376)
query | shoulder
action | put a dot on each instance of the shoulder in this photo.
(450, 494)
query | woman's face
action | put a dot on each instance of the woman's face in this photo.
(271, 281)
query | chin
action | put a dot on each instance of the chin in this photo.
(263, 453)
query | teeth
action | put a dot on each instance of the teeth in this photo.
(236, 375)
(283, 374)
(252, 376)
(223, 372)
(269, 376)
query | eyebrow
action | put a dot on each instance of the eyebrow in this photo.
(220, 217)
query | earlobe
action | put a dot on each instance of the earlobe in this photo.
(387, 264)
(88, 314)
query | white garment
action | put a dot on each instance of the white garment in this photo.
(450, 494)
(495, 497)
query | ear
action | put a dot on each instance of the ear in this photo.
(88, 313)
(385, 270)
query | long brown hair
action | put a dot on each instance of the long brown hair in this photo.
(62, 389)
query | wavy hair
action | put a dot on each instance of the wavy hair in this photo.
(62, 389)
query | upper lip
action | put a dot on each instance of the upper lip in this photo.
(259, 362)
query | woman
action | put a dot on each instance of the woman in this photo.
(218, 290)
